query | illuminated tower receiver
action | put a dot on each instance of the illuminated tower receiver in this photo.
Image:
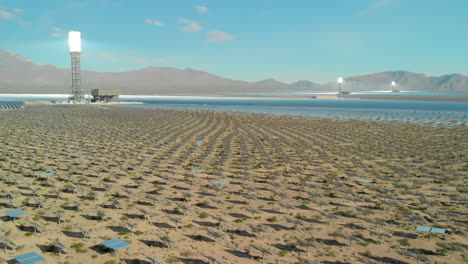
(394, 90)
(340, 81)
(74, 42)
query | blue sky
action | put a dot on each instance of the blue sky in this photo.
(287, 40)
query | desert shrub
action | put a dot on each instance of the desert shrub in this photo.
(299, 216)
(187, 253)
(172, 259)
(406, 210)
(367, 253)
(272, 219)
(404, 242)
(202, 203)
(204, 215)
(79, 247)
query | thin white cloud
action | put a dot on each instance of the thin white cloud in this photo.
(376, 5)
(58, 32)
(218, 37)
(24, 23)
(15, 14)
(18, 10)
(201, 9)
(154, 22)
(190, 26)
(5, 15)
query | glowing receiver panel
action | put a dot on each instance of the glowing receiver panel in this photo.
(74, 41)
(340, 80)
(393, 83)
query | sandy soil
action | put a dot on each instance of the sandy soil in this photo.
(146, 176)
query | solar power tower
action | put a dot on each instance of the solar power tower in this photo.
(74, 42)
(340, 81)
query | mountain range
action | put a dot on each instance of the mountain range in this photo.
(20, 75)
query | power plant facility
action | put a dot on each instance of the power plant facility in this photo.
(340, 81)
(394, 89)
(77, 92)
(340, 90)
(105, 95)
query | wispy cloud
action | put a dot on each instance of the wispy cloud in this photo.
(14, 14)
(18, 10)
(376, 5)
(201, 9)
(58, 32)
(190, 26)
(154, 22)
(218, 37)
(5, 15)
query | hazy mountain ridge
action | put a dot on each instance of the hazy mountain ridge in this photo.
(20, 75)
(304, 85)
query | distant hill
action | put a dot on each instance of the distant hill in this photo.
(304, 85)
(20, 75)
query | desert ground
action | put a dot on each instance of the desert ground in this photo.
(185, 186)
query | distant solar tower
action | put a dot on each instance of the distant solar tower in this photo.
(74, 42)
(394, 90)
(340, 81)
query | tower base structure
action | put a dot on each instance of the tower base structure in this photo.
(77, 93)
